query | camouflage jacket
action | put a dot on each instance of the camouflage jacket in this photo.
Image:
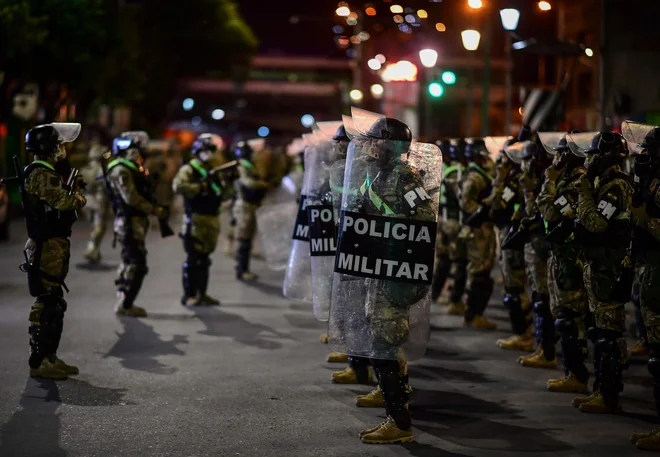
(558, 200)
(46, 184)
(124, 187)
(473, 187)
(608, 201)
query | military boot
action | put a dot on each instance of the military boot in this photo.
(640, 349)
(133, 311)
(596, 405)
(650, 440)
(456, 308)
(568, 384)
(366, 431)
(481, 322)
(536, 352)
(349, 376)
(523, 342)
(388, 433)
(209, 301)
(538, 360)
(373, 399)
(324, 338)
(337, 357)
(63, 366)
(92, 253)
(47, 370)
(246, 276)
(579, 401)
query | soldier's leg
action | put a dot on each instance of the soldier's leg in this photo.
(132, 273)
(99, 221)
(245, 231)
(481, 253)
(458, 259)
(641, 346)
(45, 330)
(610, 348)
(394, 388)
(442, 265)
(357, 372)
(229, 225)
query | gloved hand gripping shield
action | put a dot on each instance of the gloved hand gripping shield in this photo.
(322, 225)
(384, 262)
(298, 276)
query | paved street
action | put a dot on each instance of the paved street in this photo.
(249, 378)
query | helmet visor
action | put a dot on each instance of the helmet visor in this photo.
(349, 126)
(635, 134)
(580, 143)
(257, 144)
(138, 136)
(363, 120)
(494, 144)
(550, 140)
(68, 131)
(328, 128)
(516, 151)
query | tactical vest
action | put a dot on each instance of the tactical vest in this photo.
(502, 217)
(203, 204)
(42, 220)
(485, 193)
(141, 185)
(448, 199)
(254, 196)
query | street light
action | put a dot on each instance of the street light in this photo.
(428, 57)
(436, 90)
(374, 64)
(510, 18)
(343, 11)
(475, 4)
(188, 104)
(307, 120)
(218, 114)
(470, 39)
(356, 95)
(263, 131)
(449, 77)
(396, 9)
(545, 6)
(377, 91)
(589, 52)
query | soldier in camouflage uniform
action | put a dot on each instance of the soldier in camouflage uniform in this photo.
(604, 232)
(259, 170)
(557, 203)
(646, 252)
(98, 204)
(505, 200)
(478, 234)
(50, 211)
(451, 251)
(535, 161)
(134, 202)
(203, 194)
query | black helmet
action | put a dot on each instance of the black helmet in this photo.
(390, 129)
(476, 148)
(243, 150)
(608, 144)
(341, 135)
(444, 148)
(457, 149)
(525, 133)
(42, 139)
(652, 140)
(204, 143)
(121, 144)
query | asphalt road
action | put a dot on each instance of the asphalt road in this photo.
(249, 378)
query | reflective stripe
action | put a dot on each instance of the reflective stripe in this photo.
(516, 206)
(375, 198)
(124, 162)
(199, 168)
(450, 169)
(246, 164)
(45, 164)
(477, 168)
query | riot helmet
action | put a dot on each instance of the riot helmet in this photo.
(204, 147)
(243, 151)
(131, 145)
(341, 135)
(48, 139)
(602, 150)
(642, 138)
(457, 150)
(475, 150)
(444, 148)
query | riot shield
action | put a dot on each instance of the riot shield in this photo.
(635, 134)
(274, 225)
(550, 140)
(298, 276)
(516, 151)
(320, 214)
(580, 143)
(384, 262)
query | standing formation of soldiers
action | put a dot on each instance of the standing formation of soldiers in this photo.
(388, 224)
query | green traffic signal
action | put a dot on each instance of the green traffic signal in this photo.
(436, 90)
(449, 77)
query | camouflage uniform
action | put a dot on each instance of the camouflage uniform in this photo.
(263, 171)
(98, 208)
(557, 202)
(134, 200)
(201, 225)
(450, 251)
(505, 201)
(480, 242)
(604, 232)
(50, 212)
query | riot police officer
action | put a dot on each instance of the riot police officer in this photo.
(202, 191)
(98, 204)
(604, 229)
(478, 233)
(50, 211)
(646, 251)
(557, 203)
(451, 255)
(134, 202)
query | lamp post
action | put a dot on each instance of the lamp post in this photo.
(510, 18)
(428, 58)
(470, 40)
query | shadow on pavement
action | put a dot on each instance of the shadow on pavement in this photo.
(426, 450)
(305, 321)
(446, 354)
(139, 345)
(34, 429)
(268, 289)
(81, 393)
(462, 419)
(222, 324)
(434, 372)
(102, 267)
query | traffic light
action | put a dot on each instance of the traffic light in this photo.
(449, 77)
(436, 90)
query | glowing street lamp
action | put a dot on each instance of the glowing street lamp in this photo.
(356, 95)
(545, 6)
(343, 11)
(470, 39)
(377, 91)
(374, 64)
(510, 18)
(428, 57)
(475, 4)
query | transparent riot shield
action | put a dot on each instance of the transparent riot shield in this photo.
(322, 223)
(274, 227)
(635, 134)
(384, 262)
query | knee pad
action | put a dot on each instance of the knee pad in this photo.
(512, 301)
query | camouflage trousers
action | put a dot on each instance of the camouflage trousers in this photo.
(54, 260)
(512, 262)
(649, 297)
(200, 233)
(536, 263)
(131, 234)
(99, 219)
(480, 249)
(566, 286)
(449, 244)
(227, 220)
(246, 222)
